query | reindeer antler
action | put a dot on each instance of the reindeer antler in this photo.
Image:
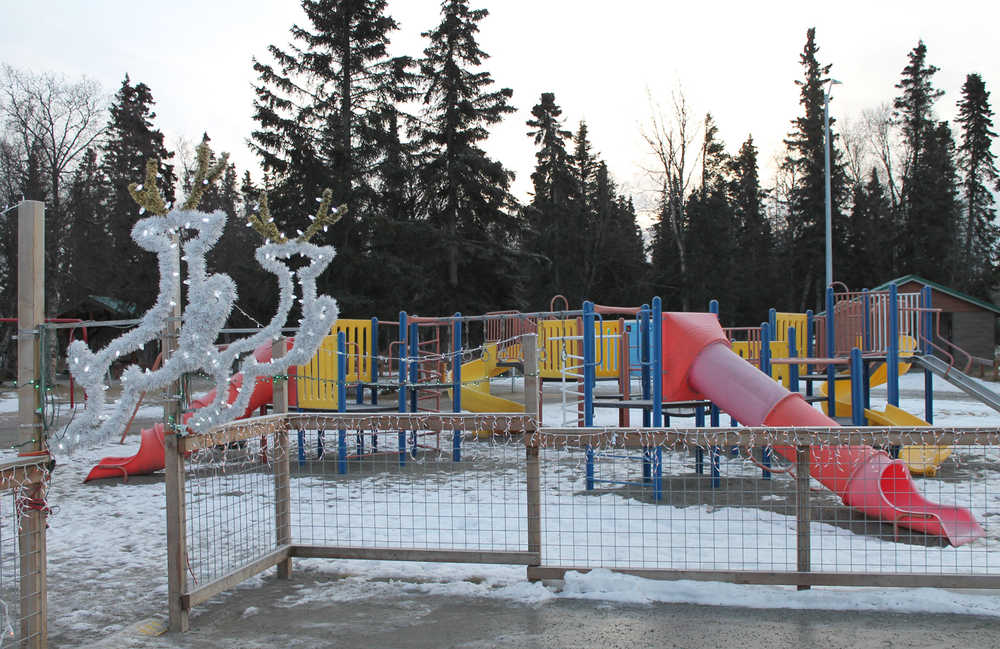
(147, 195)
(264, 224)
(204, 176)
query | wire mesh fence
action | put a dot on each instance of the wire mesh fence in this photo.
(23, 581)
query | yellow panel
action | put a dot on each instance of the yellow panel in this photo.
(550, 365)
(316, 381)
(779, 349)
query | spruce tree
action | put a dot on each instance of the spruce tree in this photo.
(319, 108)
(131, 141)
(868, 259)
(554, 214)
(805, 162)
(928, 217)
(977, 258)
(754, 242)
(467, 200)
(89, 273)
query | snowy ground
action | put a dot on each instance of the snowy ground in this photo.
(107, 545)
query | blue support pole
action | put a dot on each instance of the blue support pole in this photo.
(925, 348)
(831, 352)
(658, 474)
(320, 444)
(647, 464)
(644, 355)
(699, 452)
(590, 468)
(713, 416)
(765, 348)
(402, 383)
(713, 307)
(892, 360)
(341, 400)
(857, 389)
(302, 447)
(810, 339)
(657, 344)
(716, 475)
(793, 352)
(772, 320)
(765, 459)
(374, 360)
(414, 364)
(456, 373)
(589, 363)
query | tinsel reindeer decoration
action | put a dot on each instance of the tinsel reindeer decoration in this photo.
(209, 301)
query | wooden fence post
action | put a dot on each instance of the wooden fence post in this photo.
(802, 515)
(30, 438)
(176, 535)
(282, 488)
(529, 343)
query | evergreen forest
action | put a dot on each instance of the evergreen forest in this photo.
(432, 225)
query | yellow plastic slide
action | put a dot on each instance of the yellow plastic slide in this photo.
(921, 458)
(476, 377)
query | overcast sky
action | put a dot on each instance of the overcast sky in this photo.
(603, 61)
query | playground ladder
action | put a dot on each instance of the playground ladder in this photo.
(570, 369)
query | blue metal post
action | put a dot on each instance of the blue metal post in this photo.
(658, 474)
(414, 364)
(644, 355)
(713, 307)
(456, 373)
(831, 352)
(590, 468)
(699, 452)
(793, 352)
(810, 341)
(302, 447)
(713, 416)
(589, 363)
(857, 389)
(647, 465)
(765, 348)
(772, 319)
(892, 360)
(657, 360)
(320, 444)
(925, 347)
(374, 359)
(716, 475)
(341, 400)
(402, 383)
(765, 459)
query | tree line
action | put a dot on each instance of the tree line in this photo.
(432, 226)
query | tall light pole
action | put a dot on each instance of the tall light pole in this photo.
(826, 156)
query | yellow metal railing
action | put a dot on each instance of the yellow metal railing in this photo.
(316, 381)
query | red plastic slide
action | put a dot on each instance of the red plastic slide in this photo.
(150, 457)
(699, 364)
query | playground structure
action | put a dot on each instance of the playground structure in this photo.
(400, 458)
(875, 335)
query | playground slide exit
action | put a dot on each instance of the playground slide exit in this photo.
(151, 456)
(475, 390)
(698, 363)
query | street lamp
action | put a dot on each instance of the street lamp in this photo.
(826, 155)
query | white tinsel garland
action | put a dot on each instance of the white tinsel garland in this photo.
(210, 300)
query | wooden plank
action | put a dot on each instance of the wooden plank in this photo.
(30, 438)
(880, 580)
(282, 472)
(802, 514)
(414, 554)
(532, 468)
(233, 579)
(23, 472)
(176, 535)
(636, 437)
(433, 422)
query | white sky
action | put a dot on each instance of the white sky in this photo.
(738, 60)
